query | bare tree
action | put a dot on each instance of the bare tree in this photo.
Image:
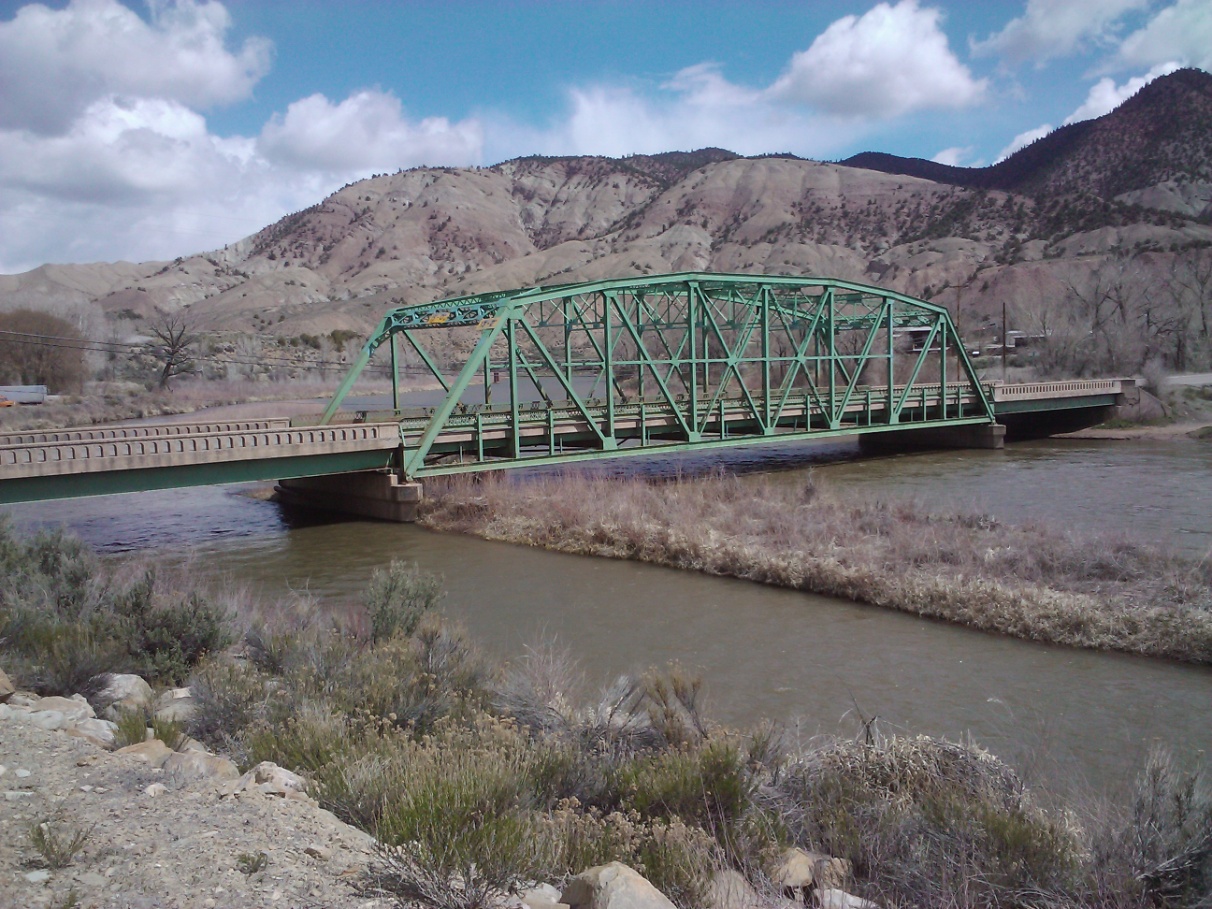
(37, 348)
(1191, 282)
(175, 335)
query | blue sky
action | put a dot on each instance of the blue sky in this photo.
(138, 130)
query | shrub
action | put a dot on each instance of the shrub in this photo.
(926, 822)
(397, 597)
(57, 842)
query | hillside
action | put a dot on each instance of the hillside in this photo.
(1126, 184)
(1152, 150)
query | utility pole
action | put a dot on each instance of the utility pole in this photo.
(1005, 340)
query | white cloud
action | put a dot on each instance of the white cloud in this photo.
(55, 63)
(1022, 140)
(1105, 95)
(887, 62)
(1057, 28)
(697, 108)
(1182, 32)
(956, 156)
(366, 132)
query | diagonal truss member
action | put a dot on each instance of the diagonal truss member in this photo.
(680, 361)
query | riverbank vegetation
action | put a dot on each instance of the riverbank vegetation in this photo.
(476, 777)
(1028, 581)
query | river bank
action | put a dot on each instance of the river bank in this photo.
(476, 777)
(1025, 581)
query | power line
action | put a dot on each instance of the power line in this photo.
(118, 347)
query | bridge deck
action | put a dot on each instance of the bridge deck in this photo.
(102, 460)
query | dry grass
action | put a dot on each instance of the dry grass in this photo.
(1026, 581)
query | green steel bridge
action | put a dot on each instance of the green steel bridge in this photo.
(572, 373)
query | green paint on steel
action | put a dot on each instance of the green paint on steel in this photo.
(709, 359)
(79, 485)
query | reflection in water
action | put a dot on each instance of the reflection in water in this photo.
(1067, 715)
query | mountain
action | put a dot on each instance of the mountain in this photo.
(1152, 150)
(1136, 182)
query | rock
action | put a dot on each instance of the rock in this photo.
(541, 896)
(269, 779)
(730, 890)
(101, 731)
(195, 765)
(23, 699)
(267, 773)
(74, 709)
(9, 712)
(175, 706)
(6, 687)
(47, 719)
(155, 789)
(613, 886)
(153, 752)
(125, 691)
(832, 873)
(840, 899)
(38, 877)
(798, 869)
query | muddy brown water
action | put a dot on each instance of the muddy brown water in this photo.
(1075, 721)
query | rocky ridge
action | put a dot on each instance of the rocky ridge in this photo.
(1137, 181)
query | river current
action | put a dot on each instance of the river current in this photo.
(1076, 721)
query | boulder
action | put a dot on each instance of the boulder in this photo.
(153, 752)
(101, 731)
(125, 691)
(798, 869)
(196, 765)
(832, 873)
(730, 890)
(831, 898)
(6, 687)
(613, 886)
(541, 896)
(268, 779)
(49, 720)
(74, 709)
(175, 705)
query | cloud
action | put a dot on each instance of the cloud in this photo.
(366, 132)
(697, 108)
(1181, 32)
(1105, 95)
(885, 63)
(1022, 140)
(956, 156)
(1057, 28)
(55, 63)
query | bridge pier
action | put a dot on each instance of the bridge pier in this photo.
(379, 494)
(978, 435)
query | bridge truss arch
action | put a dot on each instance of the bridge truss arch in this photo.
(678, 361)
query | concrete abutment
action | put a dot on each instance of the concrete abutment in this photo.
(380, 494)
(976, 435)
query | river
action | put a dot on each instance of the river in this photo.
(1075, 721)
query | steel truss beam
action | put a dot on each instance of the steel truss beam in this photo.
(675, 361)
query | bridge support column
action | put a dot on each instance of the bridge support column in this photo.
(379, 494)
(980, 435)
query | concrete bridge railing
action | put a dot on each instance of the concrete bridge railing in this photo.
(159, 430)
(1070, 388)
(96, 455)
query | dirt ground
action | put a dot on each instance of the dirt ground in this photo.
(184, 846)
